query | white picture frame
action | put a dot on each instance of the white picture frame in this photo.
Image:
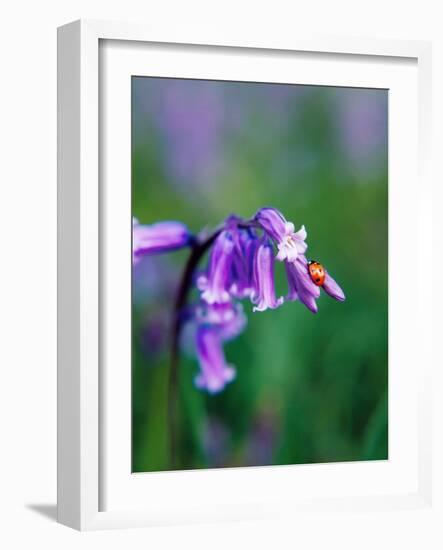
(84, 471)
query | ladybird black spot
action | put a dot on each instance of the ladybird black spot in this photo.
(317, 279)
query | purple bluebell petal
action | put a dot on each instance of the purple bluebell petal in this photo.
(264, 287)
(273, 222)
(239, 282)
(292, 295)
(242, 265)
(250, 245)
(158, 237)
(309, 301)
(332, 288)
(301, 267)
(300, 284)
(214, 373)
(215, 284)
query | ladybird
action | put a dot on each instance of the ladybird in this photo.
(316, 272)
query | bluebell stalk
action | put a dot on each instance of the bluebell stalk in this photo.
(241, 265)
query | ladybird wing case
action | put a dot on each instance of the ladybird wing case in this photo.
(317, 273)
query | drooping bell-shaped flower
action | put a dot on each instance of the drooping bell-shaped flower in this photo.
(214, 373)
(246, 243)
(241, 265)
(216, 282)
(290, 244)
(158, 237)
(263, 295)
(300, 284)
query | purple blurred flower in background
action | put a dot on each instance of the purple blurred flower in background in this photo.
(363, 128)
(153, 336)
(192, 120)
(158, 237)
(189, 117)
(216, 440)
(241, 265)
(263, 437)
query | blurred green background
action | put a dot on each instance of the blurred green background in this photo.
(309, 388)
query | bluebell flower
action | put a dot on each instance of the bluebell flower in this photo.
(214, 373)
(158, 237)
(263, 295)
(301, 287)
(290, 244)
(242, 273)
(241, 265)
(216, 324)
(216, 282)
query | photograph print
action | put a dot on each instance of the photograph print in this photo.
(259, 274)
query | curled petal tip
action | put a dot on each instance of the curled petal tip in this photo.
(264, 307)
(333, 289)
(302, 233)
(313, 309)
(309, 301)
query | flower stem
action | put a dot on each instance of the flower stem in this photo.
(200, 246)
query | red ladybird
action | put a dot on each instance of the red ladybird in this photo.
(316, 272)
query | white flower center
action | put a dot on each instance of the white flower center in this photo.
(289, 241)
